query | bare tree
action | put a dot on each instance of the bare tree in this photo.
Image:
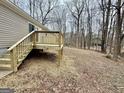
(108, 11)
(112, 38)
(119, 19)
(60, 18)
(89, 24)
(76, 8)
(105, 7)
(46, 7)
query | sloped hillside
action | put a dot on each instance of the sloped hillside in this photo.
(81, 71)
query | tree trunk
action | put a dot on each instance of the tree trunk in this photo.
(105, 30)
(117, 44)
(77, 33)
(111, 41)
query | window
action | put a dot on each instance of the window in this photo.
(31, 27)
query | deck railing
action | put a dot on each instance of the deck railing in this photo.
(22, 48)
(49, 37)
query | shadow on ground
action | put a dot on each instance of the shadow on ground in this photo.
(39, 54)
(38, 57)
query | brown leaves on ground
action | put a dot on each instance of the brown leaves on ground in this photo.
(81, 71)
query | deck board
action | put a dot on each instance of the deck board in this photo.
(47, 45)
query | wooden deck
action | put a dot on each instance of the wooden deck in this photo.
(45, 40)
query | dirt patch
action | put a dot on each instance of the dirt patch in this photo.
(81, 71)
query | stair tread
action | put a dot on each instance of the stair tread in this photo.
(7, 55)
(5, 66)
(5, 59)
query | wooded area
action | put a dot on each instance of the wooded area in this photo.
(89, 60)
(88, 24)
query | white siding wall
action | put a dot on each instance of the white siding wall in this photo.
(12, 27)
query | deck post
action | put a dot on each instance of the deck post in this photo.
(13, 60)
(60, 51)
(34, 39)
(59, 57)
(62, 42)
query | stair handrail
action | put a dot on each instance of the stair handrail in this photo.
(46, 31)
(13, 46)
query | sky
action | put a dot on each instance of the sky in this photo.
(94, 3)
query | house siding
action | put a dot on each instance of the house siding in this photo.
(12, 27)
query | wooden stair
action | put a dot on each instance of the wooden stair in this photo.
(14, 56)
(5, 62)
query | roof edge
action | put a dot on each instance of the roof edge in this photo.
(22, 13)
